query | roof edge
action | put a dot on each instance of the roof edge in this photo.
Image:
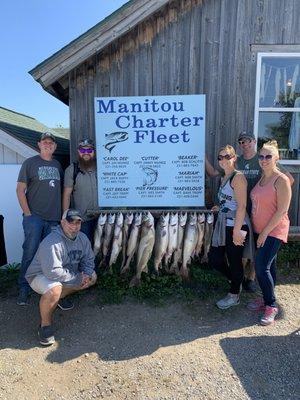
(94, 40)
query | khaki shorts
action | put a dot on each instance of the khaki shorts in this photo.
(42, 285)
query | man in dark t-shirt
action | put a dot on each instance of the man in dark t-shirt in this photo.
(39, 194)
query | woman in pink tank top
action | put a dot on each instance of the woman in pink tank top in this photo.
(270, 203)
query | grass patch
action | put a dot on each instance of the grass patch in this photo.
(8, 278)
(157, 290)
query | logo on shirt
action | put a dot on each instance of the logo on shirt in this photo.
(52, 183)
(45, 173)
(75, 256)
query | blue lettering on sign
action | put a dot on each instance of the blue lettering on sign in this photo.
(110, 106)
(140, 136)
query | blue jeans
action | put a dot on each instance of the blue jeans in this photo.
(88, 227)
(35, 230)
(265, 268)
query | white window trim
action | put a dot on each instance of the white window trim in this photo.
(257, 109)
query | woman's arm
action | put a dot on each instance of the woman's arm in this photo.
(239, 184)
(284, 194)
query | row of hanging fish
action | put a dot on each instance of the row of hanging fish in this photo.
(177, 238)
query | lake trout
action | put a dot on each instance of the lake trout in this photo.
(126, 227)
(209, 226)
(201, 229)
(98, 235)
(177, 257)
(145, 248)
(117, 239)
(132, 240)
(189, 243)
(161, 240)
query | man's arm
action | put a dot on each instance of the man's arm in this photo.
(66, 198)
(68, 187)
(286, 172)
(51, 259)
(21, 194)
(210, 170)
(87, 262)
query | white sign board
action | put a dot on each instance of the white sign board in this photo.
(150, 151)
(10, 209)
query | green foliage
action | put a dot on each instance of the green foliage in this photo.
(8, 278)
(289, 252)
(157, 290)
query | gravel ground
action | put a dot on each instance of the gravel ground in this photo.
(135, 351)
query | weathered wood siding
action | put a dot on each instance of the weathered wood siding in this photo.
(191, 46)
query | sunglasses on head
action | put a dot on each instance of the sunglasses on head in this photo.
(85, 151)
(244, 141)
(226, 157)
(266, 157)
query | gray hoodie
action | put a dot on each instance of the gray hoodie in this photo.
(61, 259)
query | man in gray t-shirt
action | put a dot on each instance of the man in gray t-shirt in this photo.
(80, 186)
(39, 195)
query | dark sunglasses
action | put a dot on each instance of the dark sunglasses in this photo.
(245, 141)
(85, 151)
(227, 157)
(267, 157)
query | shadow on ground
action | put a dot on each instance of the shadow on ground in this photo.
(275, 365)
(116, 332)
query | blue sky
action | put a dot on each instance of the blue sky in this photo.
(32, 31)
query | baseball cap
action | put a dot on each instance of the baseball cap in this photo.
(246, 135)
(71, 214)
(86, 142)
(47, 135)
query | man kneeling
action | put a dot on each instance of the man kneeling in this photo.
(63, 264)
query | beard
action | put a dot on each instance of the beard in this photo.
(86, 165)
(71, 236)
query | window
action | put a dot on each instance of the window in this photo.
(277, 103)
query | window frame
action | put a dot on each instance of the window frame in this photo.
(257, 109)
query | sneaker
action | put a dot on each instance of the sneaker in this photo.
(249, 285)
(228, 301)
(256, 305)
(23, 297)
(65, 304)
(269, 315)
(46, 335)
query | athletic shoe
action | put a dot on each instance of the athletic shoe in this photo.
(65, 304)
(249, 285)
(23, 297)
(228, 301)
(269, 316)
(46, 336)
(256, 305)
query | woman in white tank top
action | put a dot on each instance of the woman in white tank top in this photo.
(230, 230)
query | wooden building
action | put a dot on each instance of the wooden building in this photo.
(243, 54)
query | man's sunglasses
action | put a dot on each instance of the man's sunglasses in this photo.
(227, 157)
(85, 151)
(245, 141)
(266, 157)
